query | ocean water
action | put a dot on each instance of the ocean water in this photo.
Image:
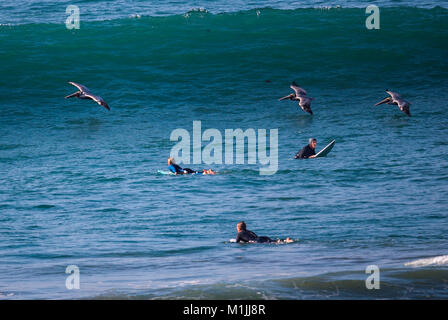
(80, 185)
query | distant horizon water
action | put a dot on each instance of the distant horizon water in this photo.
(54, 11)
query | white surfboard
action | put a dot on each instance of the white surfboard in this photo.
(164, 172)
(326, 150)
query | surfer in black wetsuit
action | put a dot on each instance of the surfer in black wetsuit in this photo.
(245, 235)
(308, 151)
(176, 169)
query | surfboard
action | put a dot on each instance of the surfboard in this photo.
(292, 241)
(326, 150)
(172, 173)
(165, 172)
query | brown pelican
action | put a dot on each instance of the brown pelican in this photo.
(299, 95)
(84, 93)
(396, 99)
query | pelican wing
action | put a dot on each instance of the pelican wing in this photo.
(98, 100)
(305, 104)
(297, 89)
(394, 95)
(304, 99)
(80, 86)
(404, 106)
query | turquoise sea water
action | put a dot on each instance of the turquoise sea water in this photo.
(80, 185)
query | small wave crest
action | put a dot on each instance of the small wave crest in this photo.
(195, 11)
(433, 261)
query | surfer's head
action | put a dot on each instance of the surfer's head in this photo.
(241, 226)
(170, 161)
(312, 142)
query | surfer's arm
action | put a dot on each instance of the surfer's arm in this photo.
(312, 153)
(299, 155)
(176, 169)
(242, 237)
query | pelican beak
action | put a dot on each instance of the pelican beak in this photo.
(383, 101)
(285, 97)
(71, 95)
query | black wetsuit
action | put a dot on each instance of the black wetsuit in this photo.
(177, 169)
(306, 152)
(249, 236)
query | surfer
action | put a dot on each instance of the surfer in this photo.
(176, 169)
(245, 235)
(84, 93)
(308, 151)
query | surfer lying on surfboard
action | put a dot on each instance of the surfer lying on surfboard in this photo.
(245, 235)
(308, 151)
(176, 169)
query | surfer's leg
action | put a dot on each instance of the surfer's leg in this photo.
(264, 240)
(287, 240)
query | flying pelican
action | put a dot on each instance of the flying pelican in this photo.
(84, 93)
(299, 95)
(396, 99)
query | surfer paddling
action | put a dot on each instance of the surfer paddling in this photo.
(84, 93)
(301, 96)
(397, 100)
(176, 169)
(308, 151)
(245, 235)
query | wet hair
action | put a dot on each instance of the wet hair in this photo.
(241, 225)
(311, 140)
(171, 160)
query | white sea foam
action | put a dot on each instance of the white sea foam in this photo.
(436, 261)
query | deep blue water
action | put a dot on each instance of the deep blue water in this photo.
(80, 184)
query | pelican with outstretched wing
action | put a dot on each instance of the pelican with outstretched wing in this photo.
(397, 100)
(84, 93)
(299, 95)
